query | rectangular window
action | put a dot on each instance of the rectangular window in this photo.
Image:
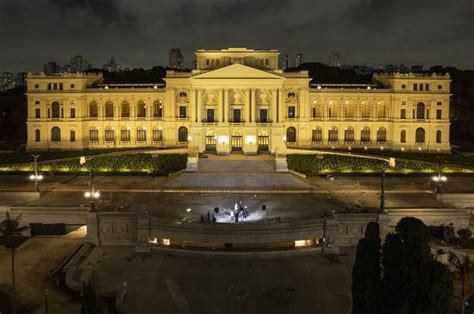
(291, 112)
(439, 114)
(404, 103)
(182, 112)
(427, 86)
(37, 102)
(141, 135)
(125, 136)
(73, 112)
(263, 115)
(93, 135)
(237, 115)
(421, 86)
(109, 135)
(72, 136)
(55, 86)
(403, 113)
(313, 114)
(439, 103)
(266, 61)
(210, 115)
(37, 113)
(317, 135)
(157, 135)
(415, 86)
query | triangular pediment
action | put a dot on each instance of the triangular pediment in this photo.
(237, 71)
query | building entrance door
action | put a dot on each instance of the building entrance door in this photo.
(210, 143)
(236, 143)
(262, 143)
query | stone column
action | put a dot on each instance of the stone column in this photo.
(219, 112)
(274, 106)
(192, 105)
(248, 105)
(253, 112)
(280, 105)
(226, 105)
(199, 105)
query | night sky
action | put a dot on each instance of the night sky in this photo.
(141, 32)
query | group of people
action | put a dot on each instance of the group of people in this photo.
(238, 212)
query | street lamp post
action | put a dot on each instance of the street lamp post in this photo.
(325, 217)
(36, 177)
(94, 195)
(46, 301)
(439, 179)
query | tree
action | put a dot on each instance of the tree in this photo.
(393, 273)
(10, 229)
(464, 267)
(366, 274)
(464, 234)
(90, 303)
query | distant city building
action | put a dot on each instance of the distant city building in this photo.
(51, 68)
(21, 79)
(416, 68)
(111, 66)
(176, 59)
(284, 63)
(78, 64)
(336, 60)
(363, 70)
(299, 59)
(7, 81)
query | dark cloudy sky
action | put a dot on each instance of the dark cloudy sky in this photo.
(141, 32)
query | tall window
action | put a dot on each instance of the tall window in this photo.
(263, 113)
(291, 112)
(438, 136)
(313, 112)
(61, 86)
(237, 115)
(37, 135)
(420, 135)
(420, 110)
(109, 135)
(157, 135)
(317, 135)
(291, 135)
(125, 135)
(381, 111)
(439, 114)
(381, 135)
(333, 111)
(403, 136)
(109, 109)
(93, 110)
(349, 111)
(210, 115)
(72, 136)
(125, 110)
(182, 134)
(141, 135)
(37, 113)
(55, 110)
(55, 134)
(141, 109)
(365, 111)
(72, 112)
(182, 111)
(49, 86)
(415, 86)
(333, 134)
(403, 113)
(349, 135)
(93, 135)
(158, 109)
(365, 135)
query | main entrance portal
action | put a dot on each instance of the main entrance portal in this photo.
(211, 143)
(263, 143)
(236, 143)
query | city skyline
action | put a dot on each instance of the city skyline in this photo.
(142, 33)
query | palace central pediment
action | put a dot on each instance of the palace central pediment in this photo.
(237, 71)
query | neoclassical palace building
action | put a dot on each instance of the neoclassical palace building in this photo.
(238, 100)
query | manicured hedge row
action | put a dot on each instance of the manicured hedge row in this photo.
(162, 164)
(319, 164)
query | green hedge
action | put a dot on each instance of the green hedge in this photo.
(161, 164)
(315, 164)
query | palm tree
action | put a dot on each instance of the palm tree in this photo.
(10, 229)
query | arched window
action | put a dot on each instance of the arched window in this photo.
(93, 110)
(349, 135)
(381, 135)
(158, 109)
(141, 109)
(109, 109)
(93, 135)
(72, 135)
(333, 111)
(438, 136)
(291, 134)
(55, 134)
(365, 135)
(109, 134)
(37, 135)
(157, 135)
(182, 134)
(125, 110)
(381, 111)
(420, 110)
(141, 134)
(333, 134)
(125, 135)
(317, 135)
(49, 86)
(365, 111)
(55, 110)
(403, 136)
(349, 111)
(420, 135)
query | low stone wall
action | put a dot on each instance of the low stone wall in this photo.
(50, 215)
(460, 200)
